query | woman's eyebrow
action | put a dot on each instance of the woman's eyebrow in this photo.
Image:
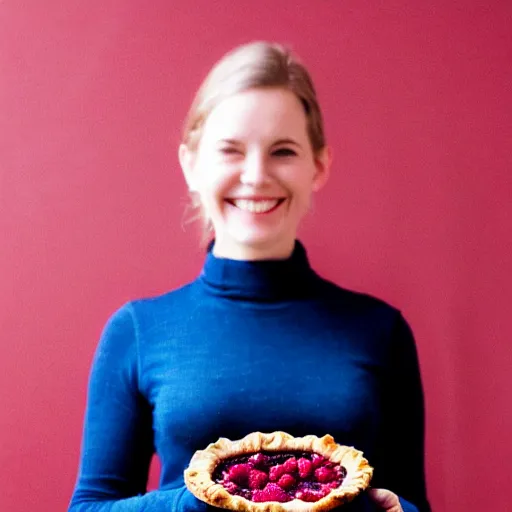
(286, 141)
(235, 142)
(229, 141)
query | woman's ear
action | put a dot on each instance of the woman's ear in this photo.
(186, 158)
(323, 161)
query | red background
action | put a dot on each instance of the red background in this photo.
(417, 101)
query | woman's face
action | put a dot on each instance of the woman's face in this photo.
(255, 171)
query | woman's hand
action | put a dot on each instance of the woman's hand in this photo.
(386, 500)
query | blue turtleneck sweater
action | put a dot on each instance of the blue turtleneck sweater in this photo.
(248, 346)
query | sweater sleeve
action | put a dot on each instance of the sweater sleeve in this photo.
(117, 444)
(400, 458)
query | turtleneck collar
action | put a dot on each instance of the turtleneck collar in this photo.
(260, 280)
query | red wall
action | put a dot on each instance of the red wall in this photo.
(417, 100)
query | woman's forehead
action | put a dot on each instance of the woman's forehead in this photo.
(257, 113)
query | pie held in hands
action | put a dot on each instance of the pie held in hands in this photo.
(277, 473)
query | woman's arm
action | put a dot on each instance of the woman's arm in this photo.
(400, 457)
(117, 444)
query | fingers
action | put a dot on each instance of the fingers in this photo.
(385, 499)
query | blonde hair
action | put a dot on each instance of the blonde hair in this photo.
(255, 65)
(252, 65)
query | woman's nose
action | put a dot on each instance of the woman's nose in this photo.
(254, 170)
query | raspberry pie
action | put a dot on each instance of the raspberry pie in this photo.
(277, 473)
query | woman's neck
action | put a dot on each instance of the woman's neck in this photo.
(253, 252)
(268, 280)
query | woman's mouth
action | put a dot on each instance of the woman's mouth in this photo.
(256, 205)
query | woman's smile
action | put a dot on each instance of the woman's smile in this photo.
(257, 206)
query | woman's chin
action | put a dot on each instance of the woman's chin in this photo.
(258, 244)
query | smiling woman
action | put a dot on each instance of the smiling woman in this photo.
(255, 178)
(259, 72)
(259, 342)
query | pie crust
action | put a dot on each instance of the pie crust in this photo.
(198, 476)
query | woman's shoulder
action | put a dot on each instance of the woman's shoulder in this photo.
(163, 299)
(367, 313)
(355, 298)
(159, 305)
(174, 301)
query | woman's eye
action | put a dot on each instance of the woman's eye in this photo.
(284, 152)
(229, 151)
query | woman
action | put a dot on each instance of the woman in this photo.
(258, 342)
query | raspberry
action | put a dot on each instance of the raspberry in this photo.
(309, 495)
(231, 487)
(239, 474)
(305, 467)
(325, 475)
(257, 479)
(286, 482)
(258, 460)
(341, 471)
(276, 472)
(327, 488)
(317, 460)
(290, 466)
(272, 492)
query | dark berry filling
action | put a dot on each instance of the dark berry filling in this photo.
(279, 476)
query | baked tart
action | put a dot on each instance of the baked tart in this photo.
(277, 472)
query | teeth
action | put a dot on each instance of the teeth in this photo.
(255, 206)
